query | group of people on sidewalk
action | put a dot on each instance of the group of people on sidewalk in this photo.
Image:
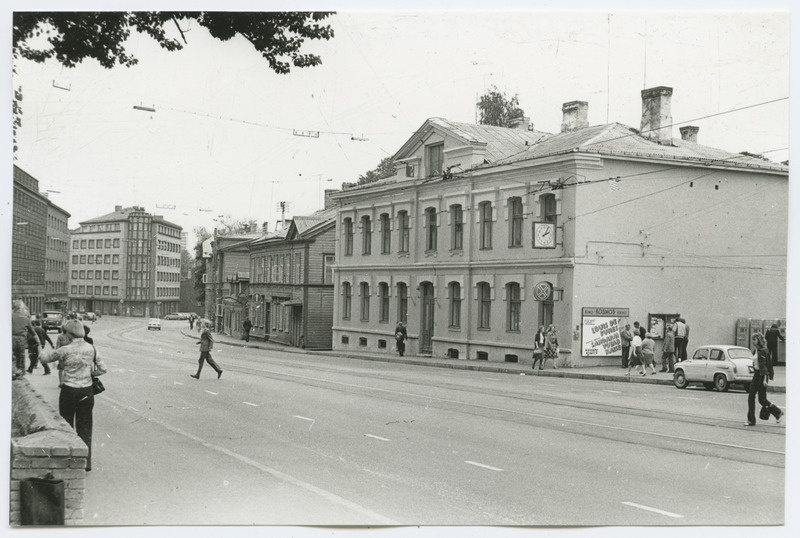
(638, 347)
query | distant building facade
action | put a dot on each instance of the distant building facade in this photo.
(125, 263)
(56, 276)
(487, 233)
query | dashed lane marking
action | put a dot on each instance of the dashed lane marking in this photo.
(687, 398)
(493, 379)
(154, 376)
(304, 418)
(375, 437)
(252, 404)
(612, 391)
(177, 383)
(651, 509)
(212, 393)
(476, 464)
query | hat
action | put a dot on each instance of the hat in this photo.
(73, 328)
(647, 335)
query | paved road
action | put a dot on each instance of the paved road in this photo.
(293, 439)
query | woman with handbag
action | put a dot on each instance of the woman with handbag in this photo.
(538, 350)
(80, 363)
(762, 375)
(550, 346)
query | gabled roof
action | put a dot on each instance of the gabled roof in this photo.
(306, 225)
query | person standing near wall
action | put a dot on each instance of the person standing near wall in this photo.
(538, 350)
(680, 337)
(400, 336)
(627, 337)
(685, 344)
(649, 354)
(20, 325)
(247, 325)
(668, 354)
(551, 345)
(772, 336)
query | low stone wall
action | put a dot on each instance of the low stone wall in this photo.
(43, 445)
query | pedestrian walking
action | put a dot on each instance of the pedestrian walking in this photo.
(680, 337)
(400, 336)
(762, 375)
(43, 339)
(206, 345)
(247, 325)
(86, 337)
(685, 344)
(639, 329)
(772, 336)
(32, 344)
(551, 346)
(538, 349)
(636, 354)
(648, 353)
(668, 354)
(20, 324)
(626, 336)
(191, 321)
(80, 361)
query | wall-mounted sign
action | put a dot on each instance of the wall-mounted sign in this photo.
(657, 324)
(543, 291)
(600, 331)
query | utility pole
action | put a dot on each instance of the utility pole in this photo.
(282, 207)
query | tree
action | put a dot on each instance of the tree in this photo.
(384, 169)
(71, 37)
(199, 268)
(497, 109)
(187, 264)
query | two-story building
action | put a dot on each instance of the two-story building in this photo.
(487, 233)
(226, 279)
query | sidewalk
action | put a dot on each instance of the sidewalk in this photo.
(601, 373)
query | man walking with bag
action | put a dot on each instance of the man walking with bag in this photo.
(400, 336)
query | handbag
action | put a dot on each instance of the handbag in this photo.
(97, 385)
(764, 413)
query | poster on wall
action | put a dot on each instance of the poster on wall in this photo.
(600, 331)
(658, 323)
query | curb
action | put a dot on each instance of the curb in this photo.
(563, 373)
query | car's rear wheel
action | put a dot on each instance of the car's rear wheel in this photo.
(679, 378)
(709, 386)
(721, 382)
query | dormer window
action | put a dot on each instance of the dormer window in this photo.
(435, 159)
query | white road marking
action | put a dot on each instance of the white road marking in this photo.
(375, 437)
(687, 398)
(493, 378)
(154, 376)
(475, 463)
(613, 391)
(305, 418)
(177, 383)
(546, 385)
(133, 408)
(650, 509)
(248, 403)
(212, 393)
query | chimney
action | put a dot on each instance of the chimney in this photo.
(689, 133)
(575, 116)
(328, 202)
(265, 227)
(519, 122)
(118, 208)
(657, 114)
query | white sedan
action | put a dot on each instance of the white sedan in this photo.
(154, 324)
(716, 367)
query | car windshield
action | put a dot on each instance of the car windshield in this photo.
(740, 353)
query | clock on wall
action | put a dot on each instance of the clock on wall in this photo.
(544, 235)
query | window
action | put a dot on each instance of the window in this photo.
(74, 258)
(107, 258)
(347, 297)
(116, 243)
(716, 355)
(366, 235)
(83, 258)
(89, 259)
(514, 306)
(106, 275)
(348, 236)
(73, 290)
(98, 275)
(98, 258)
(515, 222)
(404, 231)
(74, 274)
(114, 290)
(115, 258)
(484, 305)
(108, 243)
(115, 275)
(386, 234)
(457, 220)
(485, 212)
(364, 289)
(430, 222)
(454, 290)
(435, 159)
(83, 243)
(98, 290)
(82, 274)
(81, 290)
(74, 243)
(383, 299)
(105, 290)
(548, 207)
(409, 170)
(327, 268)
(91, 243)
(402, 302)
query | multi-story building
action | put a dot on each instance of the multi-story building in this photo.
(226, 279)
(125, 263)
(291, 282)
(487, 233)
(29, 242)
(56, 276)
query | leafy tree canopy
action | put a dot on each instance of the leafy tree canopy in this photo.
(384, 169)
(71, 37)
(497, 109)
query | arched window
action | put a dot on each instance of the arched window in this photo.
(364, 288)
(383, 300)
(403, 228)
(454, 291)
(457, 232)
(347, 299)
(430, 221)
(348, 236)
(402, 302)
(485, 212)
(366, 235)
(386, 234)
(484, 305)
(515, 222)
(514, 306)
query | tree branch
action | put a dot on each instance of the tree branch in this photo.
(178, 26)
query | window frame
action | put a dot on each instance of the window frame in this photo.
(454, 314)
(484, 317)
(486, 214)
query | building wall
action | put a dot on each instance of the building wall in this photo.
(111, 267)
(167, 267)
(28, 242)
(56, 259)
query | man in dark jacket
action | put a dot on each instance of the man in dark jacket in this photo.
(762, 375)
(772, 336)
(35, 338)
(400, 335)
(247, 325)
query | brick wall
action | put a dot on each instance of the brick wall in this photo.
(43, 445)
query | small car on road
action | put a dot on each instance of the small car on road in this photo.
(154, 324)
(51, 320)
(90, 316)
(716, 367)
(173, 316)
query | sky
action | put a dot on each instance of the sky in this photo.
(221, 143)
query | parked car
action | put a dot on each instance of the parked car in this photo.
(51, 320)
(154, 324)
(716, 367)
(90, 316)
(173, 316)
